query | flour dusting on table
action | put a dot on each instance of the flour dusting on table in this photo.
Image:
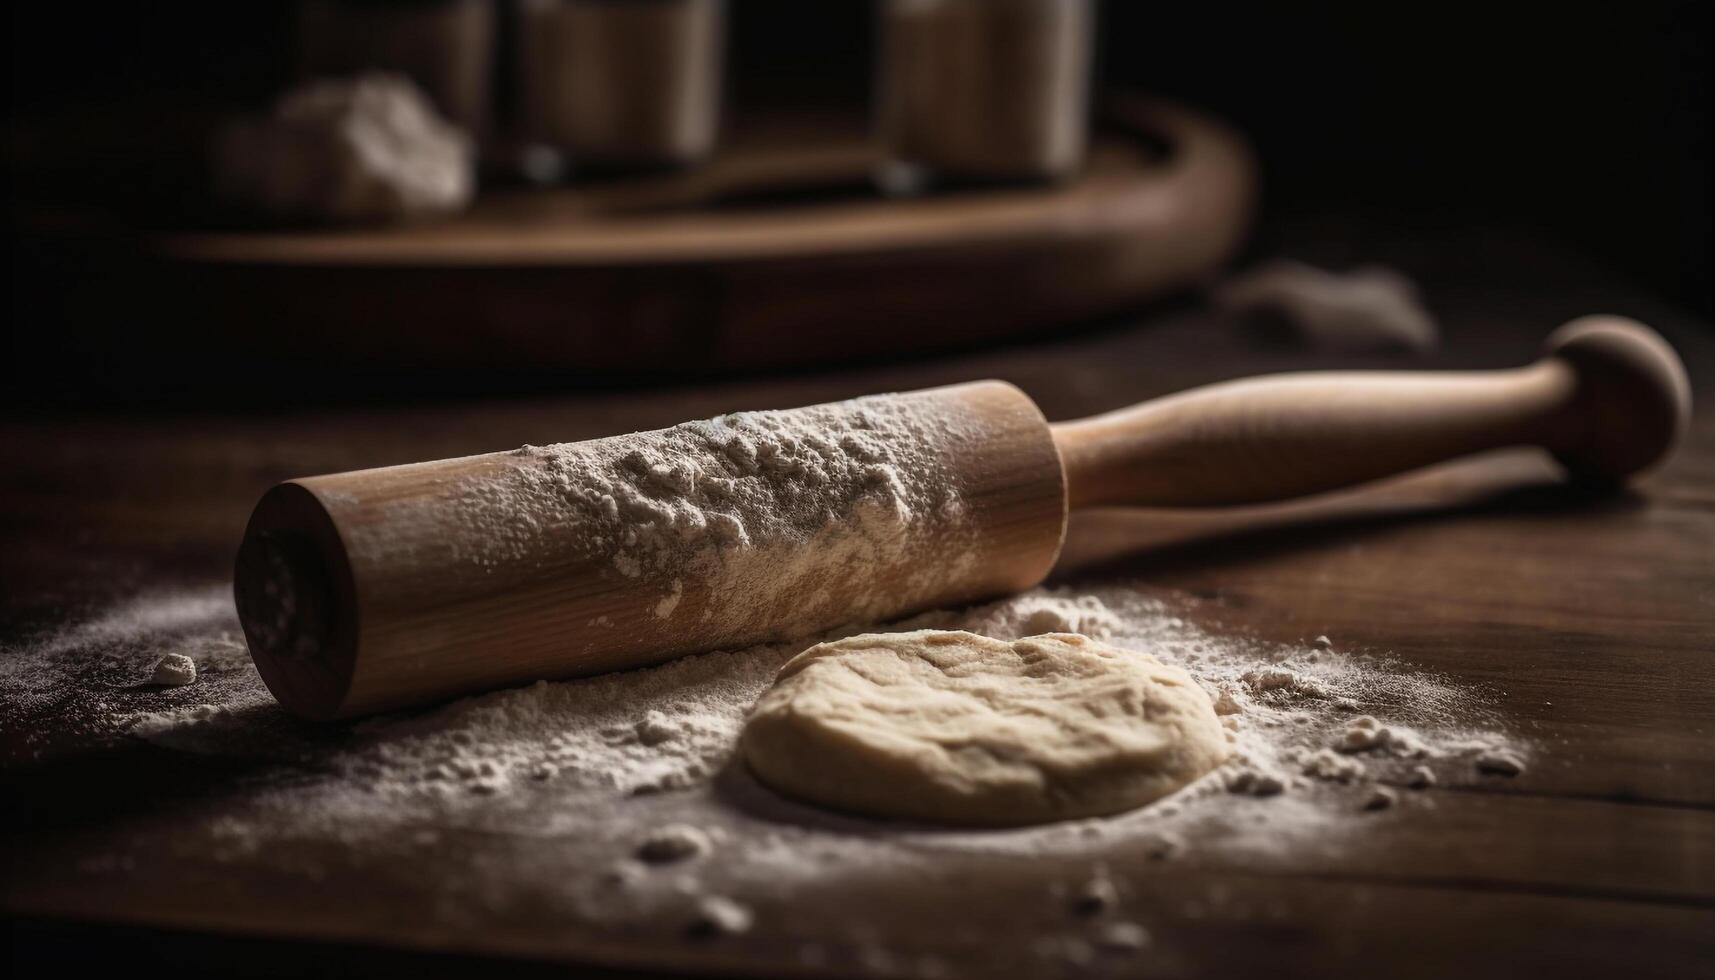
(627, 785)
(1314, 729)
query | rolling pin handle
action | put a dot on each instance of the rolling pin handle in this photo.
(1610, 399)
(1632, 401)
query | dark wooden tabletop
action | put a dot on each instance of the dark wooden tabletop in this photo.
(1592, 616)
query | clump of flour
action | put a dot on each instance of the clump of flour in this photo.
(174, 670)
(1029, 615)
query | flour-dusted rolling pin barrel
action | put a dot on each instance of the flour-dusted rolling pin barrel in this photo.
(381, 589)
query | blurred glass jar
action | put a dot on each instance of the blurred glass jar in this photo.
(622, 83)
(445, 46)
(984, 90)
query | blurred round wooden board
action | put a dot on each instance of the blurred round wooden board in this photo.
(777, 253)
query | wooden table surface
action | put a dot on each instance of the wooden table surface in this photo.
(1593, 617)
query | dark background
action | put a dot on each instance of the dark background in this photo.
(1586, 123)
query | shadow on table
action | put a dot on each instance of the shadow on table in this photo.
(87, 782)
(734, 786)
(1156, 544)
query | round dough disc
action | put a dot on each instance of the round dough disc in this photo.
(952, 727)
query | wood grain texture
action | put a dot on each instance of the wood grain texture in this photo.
(1589, 614)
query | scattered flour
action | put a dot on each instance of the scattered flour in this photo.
(596, 761)
(1276, 678)
(674, 726)
(1324, 764)
(96, 678)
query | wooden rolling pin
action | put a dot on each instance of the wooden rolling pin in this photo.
(386, 588)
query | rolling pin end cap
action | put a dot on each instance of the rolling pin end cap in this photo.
(1633, 399)
(287, 584)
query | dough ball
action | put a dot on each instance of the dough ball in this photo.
(952, 727)
(1372, 308)
(365, 149)
(174, 670)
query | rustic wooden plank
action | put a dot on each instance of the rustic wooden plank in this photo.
(1394, 931)
(1592, 614)
(1502, 881)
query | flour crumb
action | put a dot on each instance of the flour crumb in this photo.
(672, 844)
(1227, 702)
(1499, 762)
(1363, 733)
(717, 915)
(1095, 896)
(1250, 782)
(1122, 937)
(656, 729)
(1327, 765)
(641, 751)
(1282, 679)
(1366, 734)
(1162, 845)
(669, 602)
(1380, 798)
(619, 877)
(174, 670)
(1322, 643)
